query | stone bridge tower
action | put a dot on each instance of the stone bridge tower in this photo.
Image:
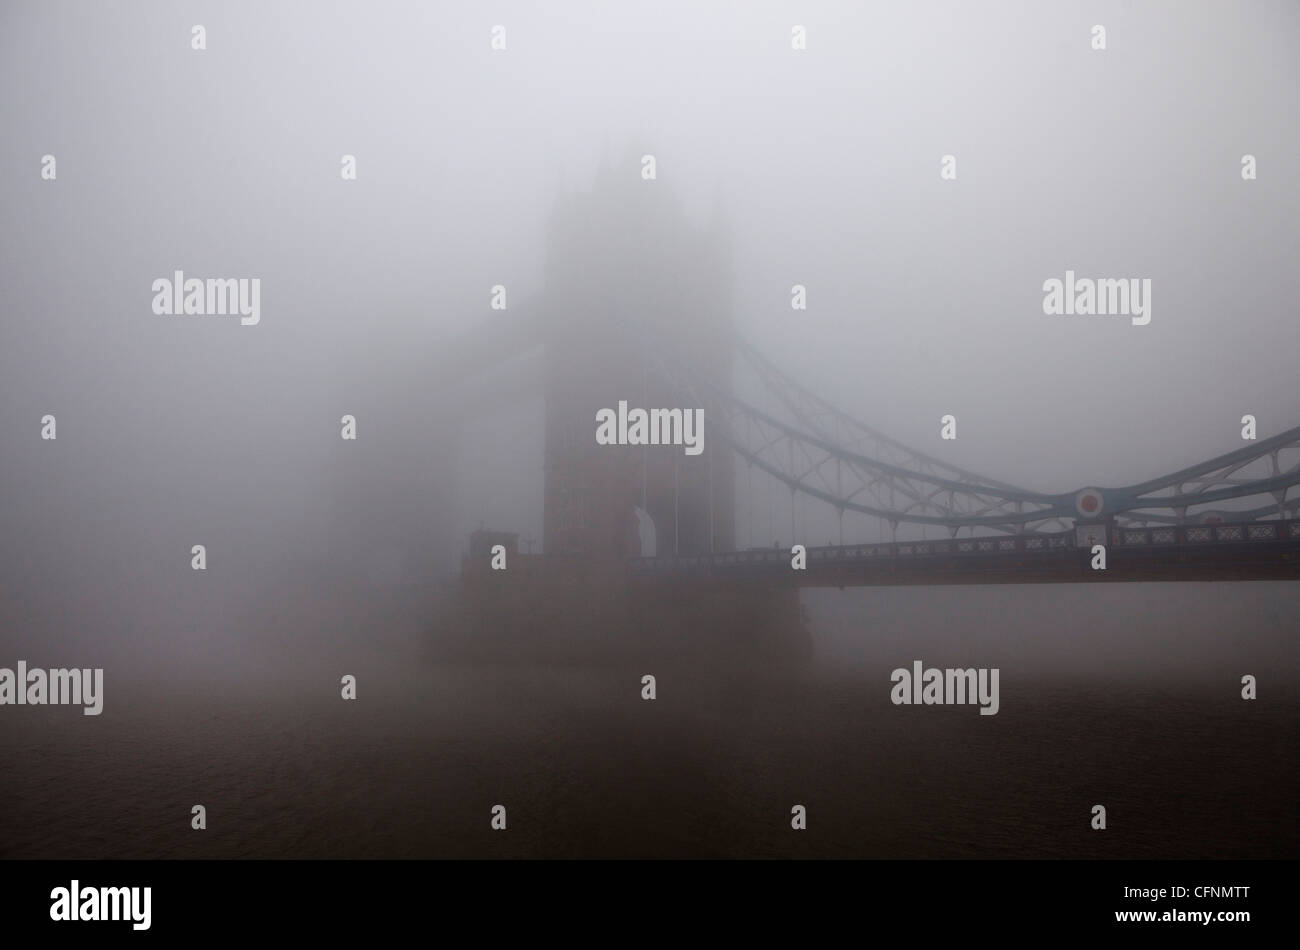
(622, 260)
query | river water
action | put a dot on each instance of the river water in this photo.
(587, 768)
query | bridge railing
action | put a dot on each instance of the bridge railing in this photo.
(1157, 536)
(1208, 533)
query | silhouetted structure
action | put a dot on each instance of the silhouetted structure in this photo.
(622, 259)
(625, 272)
(637, 309)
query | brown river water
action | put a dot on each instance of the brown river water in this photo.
(586, 768)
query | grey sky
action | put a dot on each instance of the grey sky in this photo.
(924, 295)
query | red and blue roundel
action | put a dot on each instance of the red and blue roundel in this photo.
(1089, 503)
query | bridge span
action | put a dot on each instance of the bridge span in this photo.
(1268, 550)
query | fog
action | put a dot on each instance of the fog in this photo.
(817, 167)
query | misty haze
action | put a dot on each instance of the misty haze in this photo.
(497, 272)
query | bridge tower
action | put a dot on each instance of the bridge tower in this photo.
(628, 281)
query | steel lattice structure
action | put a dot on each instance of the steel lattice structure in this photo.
(822, 452)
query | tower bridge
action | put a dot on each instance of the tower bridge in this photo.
(636, 310)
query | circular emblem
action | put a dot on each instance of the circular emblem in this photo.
(1088, 503)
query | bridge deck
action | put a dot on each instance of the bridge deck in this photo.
(1248, 551)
